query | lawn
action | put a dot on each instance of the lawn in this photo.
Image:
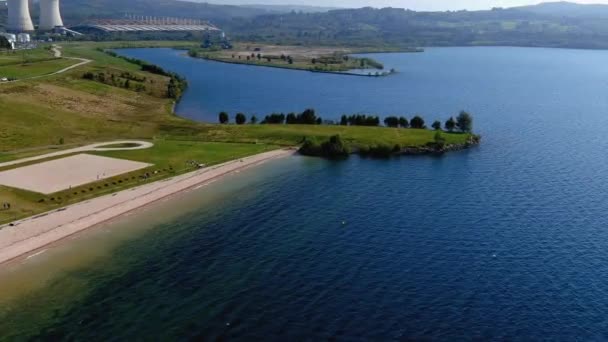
(16, 57)
(34, 68)
(290, 135)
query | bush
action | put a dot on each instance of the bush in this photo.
(334, 148)
(379, 151)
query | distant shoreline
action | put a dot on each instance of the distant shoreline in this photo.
(31, 234)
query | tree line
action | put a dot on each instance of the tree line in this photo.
(462, 123)
(307, 117)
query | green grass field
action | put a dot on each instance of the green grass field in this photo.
(35, 68)
(8, 57)
(294, 134)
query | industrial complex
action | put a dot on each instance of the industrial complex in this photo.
(20, 21)
(136, 23)
(20, 24)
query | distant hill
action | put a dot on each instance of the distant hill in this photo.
(291, 8)
(393, 27)
(568, 9)
(547, 25)
(76, 11)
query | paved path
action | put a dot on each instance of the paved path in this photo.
(57, 53)
(88, 148)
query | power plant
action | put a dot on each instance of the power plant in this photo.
(19, 19)
(49, 15)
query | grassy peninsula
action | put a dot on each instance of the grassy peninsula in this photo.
(316, 59)
(70, 109)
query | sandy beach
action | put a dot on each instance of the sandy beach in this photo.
(28, 235)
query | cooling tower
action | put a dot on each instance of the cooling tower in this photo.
(49, 15)
(19, 19)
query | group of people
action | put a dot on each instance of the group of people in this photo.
(6, 205)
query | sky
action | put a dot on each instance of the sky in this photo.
(428, 5)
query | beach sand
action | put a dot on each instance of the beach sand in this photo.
(28, 235)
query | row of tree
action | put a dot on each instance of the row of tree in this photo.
(463, 122)
(307, 117)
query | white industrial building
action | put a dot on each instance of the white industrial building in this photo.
(50, 18)
(19, 19)
(11, 38)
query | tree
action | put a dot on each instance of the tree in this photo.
(464, 121)
(254, 120)
(308, 117)
(403, 123)
(291, 119)
(240, 118)
(319, 121)
(274, 119)
(391, 121)
(417, 122)
(224, 118)
(4, 43)
(344, 120)
(436, 125)
(450, 124)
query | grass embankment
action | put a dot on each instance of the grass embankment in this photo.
(290, 135)
(318, 59)
(16, 65)
(66, 110)
(170, 158)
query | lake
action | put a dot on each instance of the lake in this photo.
(508, 240)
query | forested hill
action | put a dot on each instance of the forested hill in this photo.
(75, 12)
(568, 9)
(398, 27)
(547, 25)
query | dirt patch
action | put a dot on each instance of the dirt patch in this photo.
(287, 50)
(60, 174)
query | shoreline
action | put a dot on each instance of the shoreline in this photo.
(29, 235)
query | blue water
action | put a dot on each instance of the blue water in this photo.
(505, 241)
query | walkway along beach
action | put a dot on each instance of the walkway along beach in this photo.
(28, 235)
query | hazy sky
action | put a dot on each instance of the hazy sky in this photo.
(412, 4)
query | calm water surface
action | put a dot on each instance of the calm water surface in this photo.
(505, 241)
